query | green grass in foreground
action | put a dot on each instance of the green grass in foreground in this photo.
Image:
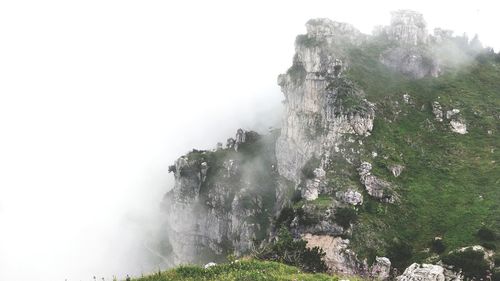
(251, 270)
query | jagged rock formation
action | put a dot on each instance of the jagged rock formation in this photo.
(409, 55)
(222, 201)
(316, 114)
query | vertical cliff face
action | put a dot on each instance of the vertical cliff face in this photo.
(321, 106)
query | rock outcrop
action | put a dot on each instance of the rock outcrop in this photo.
(381, 268)
(375, 186)
(409, 33)
(227, 201)
(218, 203)
(351, 197)
(428, 272)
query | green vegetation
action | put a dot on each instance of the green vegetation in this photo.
(469, 261)
(307, 41)
(449, 187)
(243, 270)
(486, 234)
(437, 246)
(348, 98)
(322, 202)
(345, 216)
(294, 252)
(400, 253)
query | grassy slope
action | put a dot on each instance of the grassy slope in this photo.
(451, 185)
(250, 270)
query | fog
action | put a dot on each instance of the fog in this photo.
(97, 98)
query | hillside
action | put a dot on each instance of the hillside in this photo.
(387, 156)
(245, 270)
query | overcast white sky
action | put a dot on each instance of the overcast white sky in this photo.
(97, 98)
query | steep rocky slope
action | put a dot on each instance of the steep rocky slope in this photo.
(386, 156)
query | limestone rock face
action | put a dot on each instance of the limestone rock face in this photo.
(427, 272)
(217, 203)
(326, 29)
(314, 119)
(312, 186)
(339, 259)
(411, 61)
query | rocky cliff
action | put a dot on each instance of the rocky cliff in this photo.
(381, 134)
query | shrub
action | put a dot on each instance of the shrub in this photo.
(469, 261)
(496, 276)
(294, 252)
(486, 234)
(489, 246)
(438, 246)
(345, 216)
(400, 254)
(305, 218)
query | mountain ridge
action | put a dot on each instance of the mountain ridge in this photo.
(388, 144)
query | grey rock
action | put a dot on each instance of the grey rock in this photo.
(411, 61)
(312, 186)
(381, 268)
(428, 272)
(458, 126)
(375, 187)
(437, 110)
(408, 27)
(230, 143)
(396, 170)
(219, 146)
(407, 98)
(240, 138)
(451, 113)
(209, 265)
(351, 197)
(408, 31)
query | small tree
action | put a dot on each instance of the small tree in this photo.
(345, 216)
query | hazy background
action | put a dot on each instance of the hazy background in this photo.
(97, 98)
